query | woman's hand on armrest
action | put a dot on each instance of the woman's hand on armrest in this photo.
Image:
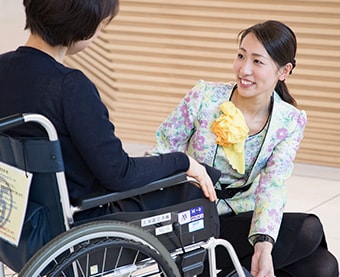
(198, 171)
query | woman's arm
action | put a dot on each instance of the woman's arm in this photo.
(271, 196)
(271, 192)
(94, 143)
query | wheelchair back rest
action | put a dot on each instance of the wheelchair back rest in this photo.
(43, 219)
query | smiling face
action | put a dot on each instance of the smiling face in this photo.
(255, 71)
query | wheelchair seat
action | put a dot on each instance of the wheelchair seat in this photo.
(167, 241)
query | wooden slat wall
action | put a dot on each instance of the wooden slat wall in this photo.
(155, 50)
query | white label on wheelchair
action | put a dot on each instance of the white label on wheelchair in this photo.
(155, 219)
(14, 187)
(163, 230)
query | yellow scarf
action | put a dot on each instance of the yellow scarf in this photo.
(231, 131)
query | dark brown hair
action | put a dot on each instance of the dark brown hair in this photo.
(280, 42)
(63, 22)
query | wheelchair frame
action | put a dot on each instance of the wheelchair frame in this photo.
(120, 233)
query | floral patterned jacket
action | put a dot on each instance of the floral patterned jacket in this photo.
(188, 129)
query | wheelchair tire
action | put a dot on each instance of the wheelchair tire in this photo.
(102, 248)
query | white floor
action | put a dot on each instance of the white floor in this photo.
(313, 189)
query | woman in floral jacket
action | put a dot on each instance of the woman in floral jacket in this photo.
(251, 130)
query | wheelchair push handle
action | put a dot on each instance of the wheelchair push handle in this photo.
(15, 120)
(11, 122)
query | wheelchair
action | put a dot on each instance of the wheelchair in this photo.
(169, 241)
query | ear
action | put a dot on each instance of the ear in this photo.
(285, 71)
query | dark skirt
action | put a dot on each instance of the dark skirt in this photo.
(235, 229)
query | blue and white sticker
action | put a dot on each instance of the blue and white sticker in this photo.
(191, 215)
(196, 225)
(197, 213)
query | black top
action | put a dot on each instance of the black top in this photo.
(33, 82)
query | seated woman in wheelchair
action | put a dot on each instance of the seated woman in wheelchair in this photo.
(33, 79)
(250, 130)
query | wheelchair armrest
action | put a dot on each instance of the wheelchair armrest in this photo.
(95, 200)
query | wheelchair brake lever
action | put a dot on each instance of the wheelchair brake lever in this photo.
(178, 233)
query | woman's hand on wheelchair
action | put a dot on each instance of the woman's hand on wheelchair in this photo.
(198, 171)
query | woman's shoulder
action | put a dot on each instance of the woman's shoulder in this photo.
(210, 89)
(288, 111)
(284, 105)
(211, 85)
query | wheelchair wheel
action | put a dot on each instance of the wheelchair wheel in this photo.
(102, 248)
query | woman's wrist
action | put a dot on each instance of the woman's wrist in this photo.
(262, 238)
(263, 245)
